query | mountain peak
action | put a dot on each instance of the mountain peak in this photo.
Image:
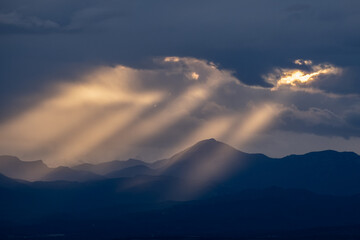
(208, 141)
(211, 142)
(201, 157)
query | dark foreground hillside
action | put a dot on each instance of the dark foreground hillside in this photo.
(64, 213)
(249, 196)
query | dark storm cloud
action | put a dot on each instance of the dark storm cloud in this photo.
(321, 122)
(17, 21)
(353, 118)
(250, 37)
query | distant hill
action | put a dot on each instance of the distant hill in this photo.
(8, 183)
(68, 174)
(133, 172)
(27, 170)
(15, 168)
(107, 167)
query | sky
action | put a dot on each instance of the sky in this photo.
(93, 81)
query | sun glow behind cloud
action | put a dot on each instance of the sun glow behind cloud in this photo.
(303, 62)
(299, 77)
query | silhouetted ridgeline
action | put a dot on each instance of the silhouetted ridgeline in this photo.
(207, 191)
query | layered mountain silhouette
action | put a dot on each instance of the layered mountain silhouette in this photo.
(210, 163)
(210, 189)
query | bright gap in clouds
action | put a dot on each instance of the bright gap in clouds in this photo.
(300, 77)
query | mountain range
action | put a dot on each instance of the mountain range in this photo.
(207, 190)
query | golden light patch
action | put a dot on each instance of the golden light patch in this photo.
(195, 76)
(171, 59)
(299, 77)
(303, 62)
